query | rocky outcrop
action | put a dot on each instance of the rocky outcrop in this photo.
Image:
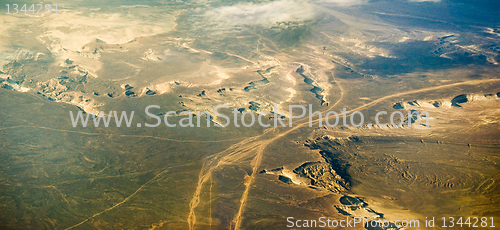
(322, 175)
(459, 100)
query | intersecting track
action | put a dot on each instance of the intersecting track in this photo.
(255, 146)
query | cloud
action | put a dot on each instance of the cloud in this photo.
(262, 14)
(271, 13)
(344, 2)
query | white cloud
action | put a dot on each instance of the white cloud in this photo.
(262, 14)
(270, 13)
(344, 2)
